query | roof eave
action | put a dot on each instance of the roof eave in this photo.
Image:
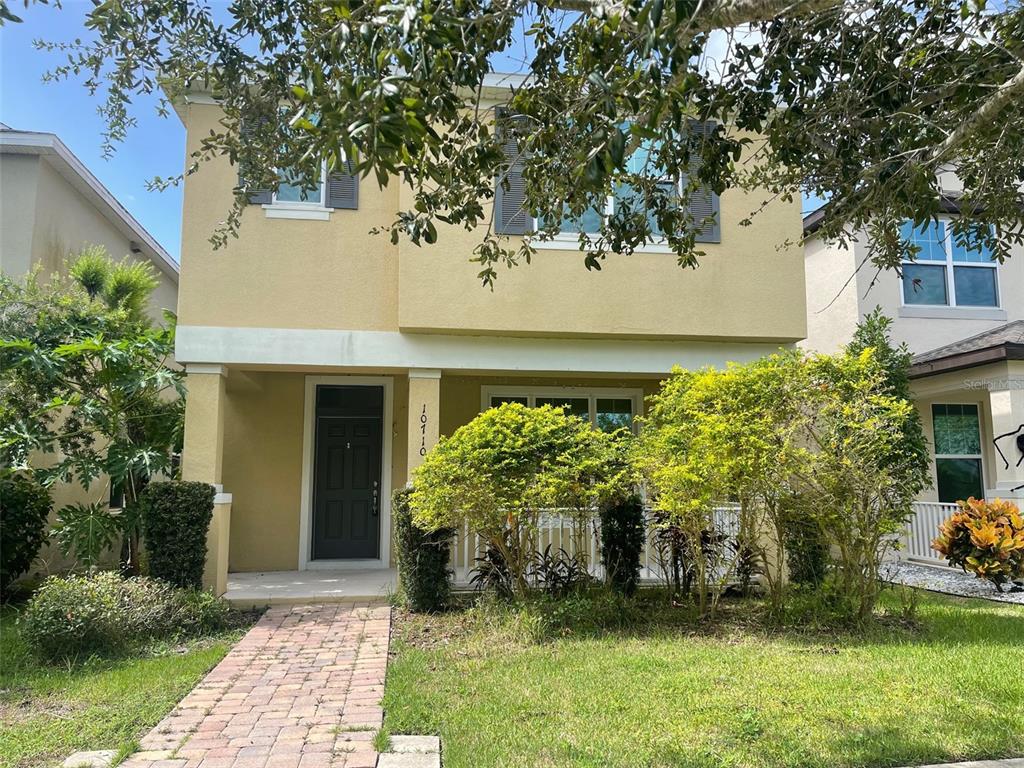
(49, 145)
(972, 359)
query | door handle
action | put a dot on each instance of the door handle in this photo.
(375, 509)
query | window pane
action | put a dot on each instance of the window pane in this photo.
(575, 406)
(628, 199)
(614, 413)
(956, 430)
(497, 400)
(975, 286)
(590, 222)
(290, 190)
(973, 252)
(928, 238)
(924, 284)
(958, 479)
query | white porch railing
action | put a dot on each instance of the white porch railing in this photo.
(560, 530)
(922, 530)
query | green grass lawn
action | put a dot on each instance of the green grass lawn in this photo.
(948, 687)
(48, 712)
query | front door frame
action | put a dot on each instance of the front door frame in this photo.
(306, 561)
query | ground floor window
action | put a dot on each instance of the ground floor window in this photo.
(957, 436)
(606, 409)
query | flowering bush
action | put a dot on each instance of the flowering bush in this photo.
(985, 538)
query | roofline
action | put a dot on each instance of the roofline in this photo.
(1007, 350)
(813, 220)
(50, 146)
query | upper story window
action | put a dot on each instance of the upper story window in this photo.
(291, 190)
(513, 219)
(946, 273)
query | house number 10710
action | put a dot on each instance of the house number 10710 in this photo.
(423, 431)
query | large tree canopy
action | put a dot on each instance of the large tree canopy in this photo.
(860, 102)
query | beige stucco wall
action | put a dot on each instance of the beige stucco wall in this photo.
(44, 220)
(335, 274)
(262, 463)
(834, 326)
(833, 308)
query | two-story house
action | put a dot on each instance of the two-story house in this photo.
(962, 316)
(52, 206)
(324, 362)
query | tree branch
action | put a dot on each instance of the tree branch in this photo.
(986, 113)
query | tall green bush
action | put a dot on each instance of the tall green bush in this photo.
(501, 470)
(622, 542)
(175, 520)
(424, 582)
(24, 508)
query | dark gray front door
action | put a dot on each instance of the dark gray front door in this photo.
(346, 478)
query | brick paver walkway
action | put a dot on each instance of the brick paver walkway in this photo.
(301, 690)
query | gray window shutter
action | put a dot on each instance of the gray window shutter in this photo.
(703, 201)
(510, 214)
(258, 196)
(343, 190)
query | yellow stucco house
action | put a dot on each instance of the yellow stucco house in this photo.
(323, 361)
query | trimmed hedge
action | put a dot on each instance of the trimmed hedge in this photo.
(78, 616)
(424, 582)
(24, 508)
(175, 519)
(622, 543)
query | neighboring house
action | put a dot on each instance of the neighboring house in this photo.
(323, 361)
(962, 315)
(51, 207)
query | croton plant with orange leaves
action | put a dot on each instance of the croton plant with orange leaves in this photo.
(985, 538)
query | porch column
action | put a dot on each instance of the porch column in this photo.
(202, 461)
(424, 409)
(1006, 403)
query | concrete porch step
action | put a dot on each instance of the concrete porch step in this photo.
(255, 590)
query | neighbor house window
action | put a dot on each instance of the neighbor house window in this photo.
(606, 409)
(957, 436)
(946, 273)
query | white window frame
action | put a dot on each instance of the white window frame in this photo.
(531, 393)
(981, 437)
(301, 209)
(568, 239)
(949, 265)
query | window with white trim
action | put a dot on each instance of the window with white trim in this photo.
(956, 432)
(291, 191)
(946, 273)
(606, 409)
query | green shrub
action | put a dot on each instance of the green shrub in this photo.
(622, 543)
(175, 519)
(423, 577)
(24, 508)
(806, 549)
(985, 538)
(103, 613)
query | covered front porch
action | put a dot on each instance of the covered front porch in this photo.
(971, 399)
(307, 460)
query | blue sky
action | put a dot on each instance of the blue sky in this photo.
(155, 148)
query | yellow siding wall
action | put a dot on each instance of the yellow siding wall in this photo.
(335, 274)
